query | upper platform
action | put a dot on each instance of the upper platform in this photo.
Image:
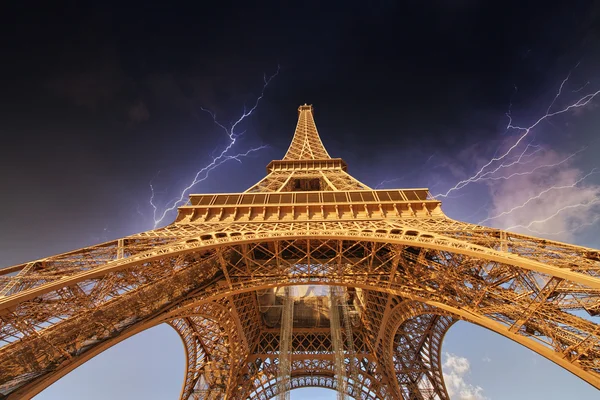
(308, 185)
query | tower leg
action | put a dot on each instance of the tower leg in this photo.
(415, 357)
(337, 342)
(285, 346)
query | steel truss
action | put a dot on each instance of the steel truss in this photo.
(408, 272)
(285, 349)
(338, 343)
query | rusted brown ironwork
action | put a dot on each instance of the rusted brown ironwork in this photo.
(218, 273)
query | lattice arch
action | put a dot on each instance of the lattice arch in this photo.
(400, 270)
(309, 372)
(313, 381)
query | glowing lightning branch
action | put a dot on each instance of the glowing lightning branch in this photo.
(386, 181)
(574, 229)
(224, 156)
(539, 195)
(487, 175)
(583, 101)
(581, 88)
(564, 160)
(518, 161)
(560, 89)
(560, 210)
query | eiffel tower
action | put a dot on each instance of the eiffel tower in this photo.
(308, 278)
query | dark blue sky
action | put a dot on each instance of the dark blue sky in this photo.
(96, 99)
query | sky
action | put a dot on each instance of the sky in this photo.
(103, 114)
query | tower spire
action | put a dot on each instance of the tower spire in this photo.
(306, 144)
(307, 166)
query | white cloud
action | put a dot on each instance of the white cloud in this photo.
(456, 372)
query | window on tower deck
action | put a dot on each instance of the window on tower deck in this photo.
(306, 185)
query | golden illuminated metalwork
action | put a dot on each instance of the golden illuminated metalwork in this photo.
(218, 275)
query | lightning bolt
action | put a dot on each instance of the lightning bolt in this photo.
(518, 161)
(487, 175)
(561, 232)
(539, 195)
(222, 157)
(556, 213)
(384, 182)
(524, 132)
(562, 84)
(582, 87)
(564, 160)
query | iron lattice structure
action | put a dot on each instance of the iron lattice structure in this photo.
(218, 275)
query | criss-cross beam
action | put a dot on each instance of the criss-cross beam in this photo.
(52, 325)
(195, 352)
(211, 338)
(576, 264)
(224, 343)
(413, 352)
(311, 371)
(312, 350)
(376, 309)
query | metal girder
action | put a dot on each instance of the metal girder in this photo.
(285, 346)
(338, 344)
